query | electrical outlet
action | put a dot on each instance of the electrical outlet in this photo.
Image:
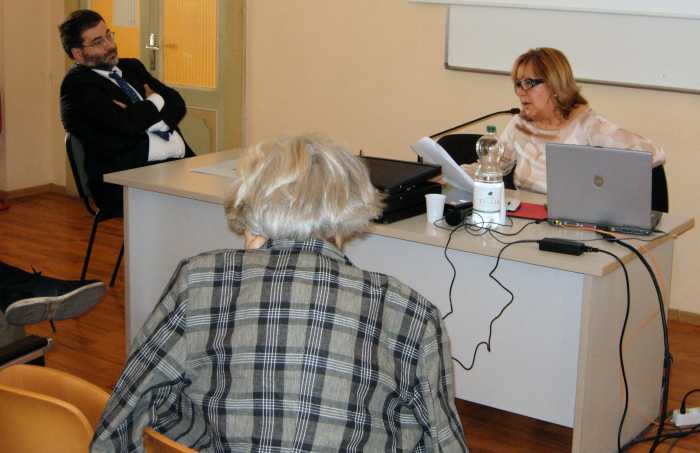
(690, 418)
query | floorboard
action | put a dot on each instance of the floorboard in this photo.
(49, 232)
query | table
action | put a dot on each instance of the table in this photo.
(554, 351)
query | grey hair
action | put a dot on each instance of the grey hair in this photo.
(301, 187)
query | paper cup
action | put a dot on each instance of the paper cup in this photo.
(434, 206)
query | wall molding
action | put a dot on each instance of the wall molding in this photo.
(34, 190)
(687, 317)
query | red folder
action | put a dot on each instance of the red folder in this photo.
(529, 211)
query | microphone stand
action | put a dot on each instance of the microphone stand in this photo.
(513, 111)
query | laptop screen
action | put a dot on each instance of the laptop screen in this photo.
(607, 187)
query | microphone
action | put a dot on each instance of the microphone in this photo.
(513, 111)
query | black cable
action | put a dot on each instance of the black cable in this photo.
(622, 336)
(679, 433)
(631, 238)
(665, 380)
(686, 397)
(472, 228)
(660, 435)
(454, 269)
(493, 232)
(517, 232)
(487, 343)
(446, 248)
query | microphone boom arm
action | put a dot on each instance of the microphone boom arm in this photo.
(513, 111)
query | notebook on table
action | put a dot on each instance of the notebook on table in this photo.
(392, 176)
(404, 185)
(608, 188)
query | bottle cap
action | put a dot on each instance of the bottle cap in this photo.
(490, 129)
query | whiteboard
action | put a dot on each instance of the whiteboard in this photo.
(669, 8)
(620, 49)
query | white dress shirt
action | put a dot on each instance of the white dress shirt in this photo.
(158, 147)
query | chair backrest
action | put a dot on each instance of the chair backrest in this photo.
(659, 189)
(32, 422)
(155, 442)
(88, 398)
(76, 157)
(461, 147)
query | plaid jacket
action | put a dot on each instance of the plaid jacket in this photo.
(287, 348)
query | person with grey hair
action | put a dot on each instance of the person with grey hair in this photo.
(286, 345)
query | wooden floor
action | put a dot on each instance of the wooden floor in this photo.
(50, 232)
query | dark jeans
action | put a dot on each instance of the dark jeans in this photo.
(14, 284)
(17, 284)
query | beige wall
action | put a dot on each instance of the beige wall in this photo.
(3, 169)
(367, 72)
(370, 73)
(32, 68)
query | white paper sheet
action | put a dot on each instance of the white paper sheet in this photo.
(433, 153)
(226, 169)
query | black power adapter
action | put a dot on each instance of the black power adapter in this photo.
(565, 246)
(455, 215)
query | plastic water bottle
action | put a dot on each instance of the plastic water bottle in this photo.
(489, 191)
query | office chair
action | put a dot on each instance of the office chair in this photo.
(44, 409)
(462, 148)
(659, 189)
(155, 442)
(76, 156)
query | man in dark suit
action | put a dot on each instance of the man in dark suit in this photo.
(123, 116)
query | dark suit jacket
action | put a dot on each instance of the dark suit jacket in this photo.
(114, 138)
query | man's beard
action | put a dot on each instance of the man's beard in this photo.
(105, 62)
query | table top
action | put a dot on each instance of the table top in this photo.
(178, 178)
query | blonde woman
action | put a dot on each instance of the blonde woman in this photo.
(554, 111)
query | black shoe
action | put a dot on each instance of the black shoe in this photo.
(29, 298)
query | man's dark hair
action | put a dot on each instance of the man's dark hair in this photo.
(72, 28)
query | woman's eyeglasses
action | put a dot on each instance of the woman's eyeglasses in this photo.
(526, 84)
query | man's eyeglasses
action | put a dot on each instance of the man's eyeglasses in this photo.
(102, 40)
(526, 84)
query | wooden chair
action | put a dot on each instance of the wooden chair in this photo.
(44, 409)
(156, 442)
(76, 157)
(32, 422)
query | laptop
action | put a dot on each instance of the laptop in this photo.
(393, 176)
(608, 188)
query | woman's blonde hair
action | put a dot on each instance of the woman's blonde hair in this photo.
(552, 66)
(301, 187)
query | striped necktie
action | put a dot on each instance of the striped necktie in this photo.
(134, 97)
(125, 87)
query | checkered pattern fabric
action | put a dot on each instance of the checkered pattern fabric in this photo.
(288, 348)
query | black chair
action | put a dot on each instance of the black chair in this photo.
(76, 156)
(659, 189)
(18, 347)
(462, 148)
(30, 349)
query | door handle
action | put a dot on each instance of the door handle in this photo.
(153, 41)
(154, 46)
